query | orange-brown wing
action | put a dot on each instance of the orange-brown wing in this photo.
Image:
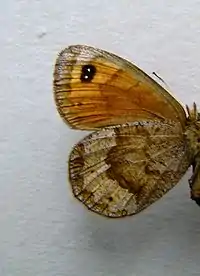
(120, 170)
(94, 88)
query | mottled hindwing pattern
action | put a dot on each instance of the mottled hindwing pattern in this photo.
(120, 170)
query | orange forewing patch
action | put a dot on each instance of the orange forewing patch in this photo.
(119, 92)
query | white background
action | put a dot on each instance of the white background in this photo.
(43, 229)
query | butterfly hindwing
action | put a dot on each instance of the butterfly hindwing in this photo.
(120, 170)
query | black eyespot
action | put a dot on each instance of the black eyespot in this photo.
(198, 140)
(88, 72)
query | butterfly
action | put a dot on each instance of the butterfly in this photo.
(143, 141)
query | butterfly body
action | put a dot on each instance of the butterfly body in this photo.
(144, 142)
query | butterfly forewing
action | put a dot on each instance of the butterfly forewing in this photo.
(120, 170)
(94, 89)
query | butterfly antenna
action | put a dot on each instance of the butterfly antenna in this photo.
(161, 79)
(193, 115)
